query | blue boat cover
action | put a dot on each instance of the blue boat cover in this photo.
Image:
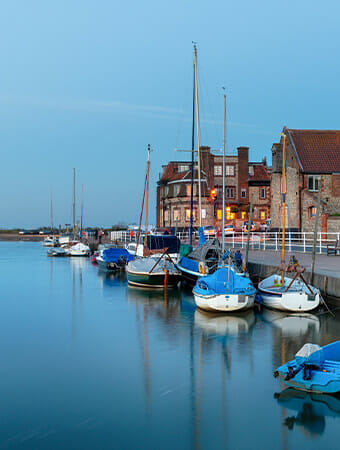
(157, 242)
(224, 281)
(188, 263)
(113, 255)
(202, 237)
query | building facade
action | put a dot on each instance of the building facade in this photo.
(242, 179)
(313, 162)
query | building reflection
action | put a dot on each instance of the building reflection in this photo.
(309, 410)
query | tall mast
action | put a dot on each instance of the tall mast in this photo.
(74, 203)
(223, 176)
(283, 207)
(52, 229)
(198, 140)
(81, 209)
(147, 196)
(192, 157)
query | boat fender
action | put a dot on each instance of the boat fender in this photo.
(202, 268)
(276, 374)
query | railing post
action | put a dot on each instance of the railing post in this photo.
(264, 241)
(241, 239)
(233, 240)
(304, 242)
(320, 246)
(276, 240)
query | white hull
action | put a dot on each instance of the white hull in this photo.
(224, 302)
(297, 299)
(78, 253)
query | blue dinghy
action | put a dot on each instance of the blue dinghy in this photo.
(314, 369)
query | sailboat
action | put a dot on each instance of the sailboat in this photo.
(288, 294)
(154, 270)
(224, 290)
(51, 241)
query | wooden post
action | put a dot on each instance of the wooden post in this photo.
(315, 234)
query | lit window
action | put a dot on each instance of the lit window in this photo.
(219, 214)
(313, 182)
(243, 215)
(263, 215)
(243, 193)
(230, 171)
(177, 215)
(161, 217)
(312, 211)
(229, 215)
(262, 193)
(187, 215)
(218, 171)
(189, 190)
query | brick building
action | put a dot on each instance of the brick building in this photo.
(313, 160)
(242, 179)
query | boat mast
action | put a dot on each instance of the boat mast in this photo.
(223, 176)
(81, 209)
(198, 140)
(147, 196)
(283, 207)
(52, 229)
(74, 203)
(192, 159)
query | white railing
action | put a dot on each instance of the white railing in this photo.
(294, 241)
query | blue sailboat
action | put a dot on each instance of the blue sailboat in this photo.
(314, 369)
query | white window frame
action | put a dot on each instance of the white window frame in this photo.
(314, 178)
(218, 171)
(262, 197)
(230, 171)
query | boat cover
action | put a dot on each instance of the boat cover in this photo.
(210, 249)
(224, 281)
(188, 263)
(158, 242)
(114, 254)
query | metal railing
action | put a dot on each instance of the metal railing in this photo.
(294, 241)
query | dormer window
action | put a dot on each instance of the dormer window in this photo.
(183, 167)
(251, 170)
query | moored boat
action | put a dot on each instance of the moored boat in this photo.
(79, 249)
(314, 369)
(224, 291)
(113, 259)
(153, 272)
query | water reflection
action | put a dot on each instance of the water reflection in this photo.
(111, 279)
(224, 324)
(292, 325)
(311, 410)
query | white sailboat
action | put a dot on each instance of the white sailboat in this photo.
(288, 294)
(224, 290)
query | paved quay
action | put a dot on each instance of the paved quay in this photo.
(327, 268)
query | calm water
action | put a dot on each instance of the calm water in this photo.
(88, 363)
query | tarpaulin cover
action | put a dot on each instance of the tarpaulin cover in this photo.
(157, 242)
(185, 249)
(225, 281)
(210, 249)
(113, 255)
(188, 263)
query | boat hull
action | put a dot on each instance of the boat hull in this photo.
(152, 280)
(109, 266)
(224, 302)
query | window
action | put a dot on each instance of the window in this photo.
(183, 167)
(230, 192)
(189, 190)
(176, 189)
(230, 171)
(263, 215)
(313, 182)
(161, 217)
(262, 193)
(243, 193)
(229, 215)
(166, 191)
(243, 215)
(177, 215)
(251, 170)
(166, 215)
(218, 171)
(187, 215)
(312, 212)
(219, 214)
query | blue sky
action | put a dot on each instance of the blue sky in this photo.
(89, 84)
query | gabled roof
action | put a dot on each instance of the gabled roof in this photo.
(171, 173)
(318, 151)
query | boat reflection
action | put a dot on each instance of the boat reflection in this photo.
(110, 279)
(168, 300)
(311, 410)
(224, 324)
(78, 262)
(292, 325)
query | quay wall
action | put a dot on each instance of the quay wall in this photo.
(328, 285)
